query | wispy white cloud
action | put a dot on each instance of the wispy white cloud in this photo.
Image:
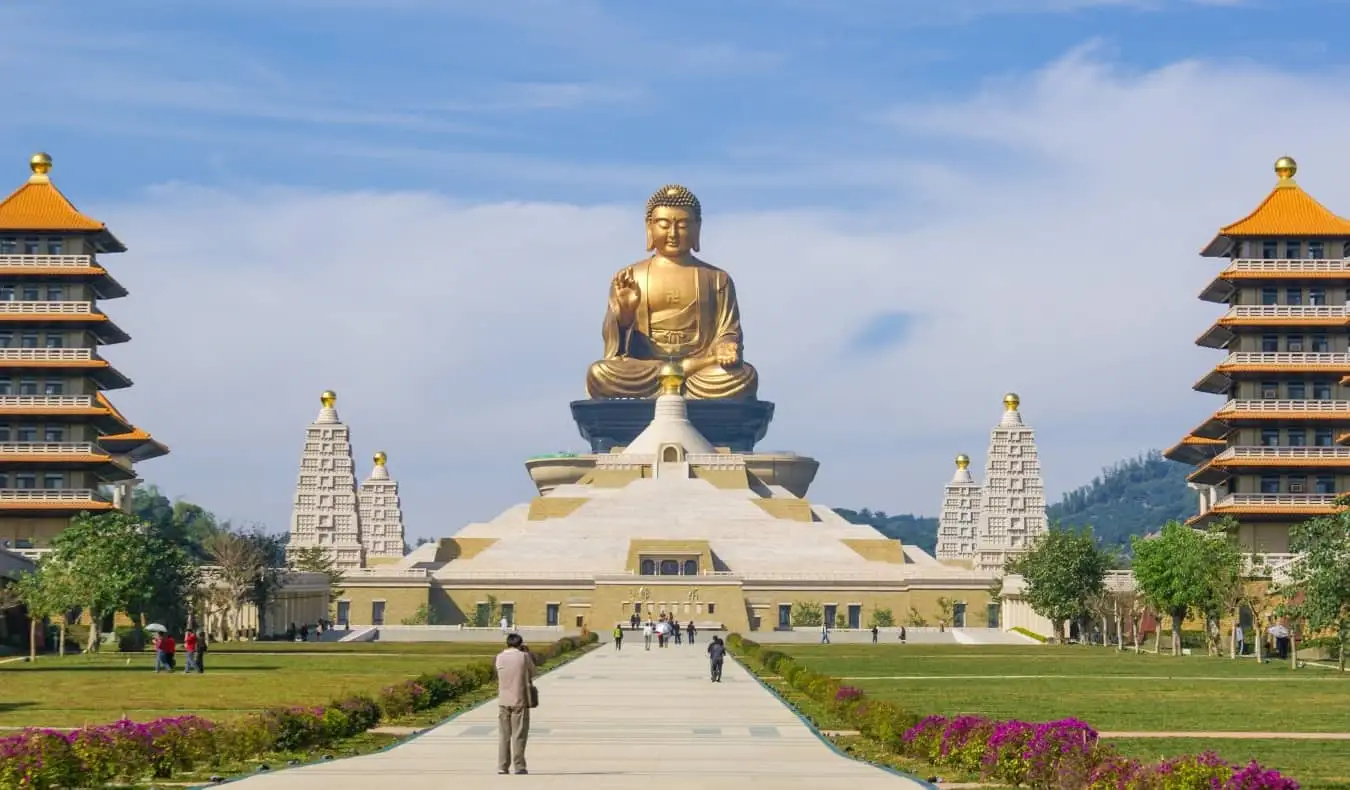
(456, 332)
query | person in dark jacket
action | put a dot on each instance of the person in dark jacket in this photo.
(716, 653)
(199, 653)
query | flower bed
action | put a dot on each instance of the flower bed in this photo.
(1051, 755)
(126, 752)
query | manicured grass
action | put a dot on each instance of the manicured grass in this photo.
(1316, 764)
(1112, 691)
(79, 690)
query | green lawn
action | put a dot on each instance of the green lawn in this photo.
(1120, 692)
(78, 690)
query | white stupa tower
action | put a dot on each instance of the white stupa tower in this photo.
(960, 521)
(1012, 504)
(381, 515)
(324, 510)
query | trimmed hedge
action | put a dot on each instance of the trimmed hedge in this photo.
(127, 752)
(1057, 754)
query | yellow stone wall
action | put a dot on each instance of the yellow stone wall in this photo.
(400, 602)
(37, 530)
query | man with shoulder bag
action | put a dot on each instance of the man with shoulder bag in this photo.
(516, 694)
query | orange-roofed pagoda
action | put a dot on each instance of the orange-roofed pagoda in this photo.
(64, 448)
(1269, 456)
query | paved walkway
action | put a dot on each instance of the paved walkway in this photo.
(617, 720)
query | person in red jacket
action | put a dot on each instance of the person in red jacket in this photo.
(189, 652)
(167, 645)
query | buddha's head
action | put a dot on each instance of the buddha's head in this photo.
(674, 217)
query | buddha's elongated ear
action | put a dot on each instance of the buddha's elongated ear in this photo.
(651, 242)
(694, 227)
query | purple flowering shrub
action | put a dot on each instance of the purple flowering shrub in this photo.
(127, 752)
(847, 696)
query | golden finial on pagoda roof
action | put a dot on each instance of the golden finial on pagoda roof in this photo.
(1285, 168)
(41, 164)
(328, 398)
(963, 461)
(671, 376)
(380, 458)
(1011, 401)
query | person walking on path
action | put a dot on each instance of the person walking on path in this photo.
(515, 679)
(692, 630)
(824, 633)
(647, 635)
(189, 653)
(716, 653)
(902, 634)
(199, 653)
(675, 630)
(618, 637)
(874, 634)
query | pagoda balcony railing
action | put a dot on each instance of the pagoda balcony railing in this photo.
(62, 448)
(52, 495)
(46, 401)
(46, 261)
(50, 308)
(1275, 500)
(1312, 454)
(1292, 407)
(1301, 312)
(46, 354)
(1288, 265)
(1291, 358)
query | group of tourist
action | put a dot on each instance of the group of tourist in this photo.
(194, 652)
(666, 630)
(301, 634)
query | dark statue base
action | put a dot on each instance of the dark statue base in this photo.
(737, 424)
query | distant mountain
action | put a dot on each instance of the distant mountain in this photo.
(1131, 497)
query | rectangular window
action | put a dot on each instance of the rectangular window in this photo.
(1270, 485)
(54, 245)
(53, 481)
(1293, 249)
(1268, 250)
(54, 433)
(1321, 390)
(1293, 296)
(344, 612)
(56, 387)
(6, 387)
(509, 614)
(25, 480)
(1294, 343)
(551, 614)
(1270, 437)
(55, 341)
(1270, 390)
(26, 433)
(4, 433)
(55, 293)
(1322, 437)
(712, 608)
(8, 245)
(1317, 296)
(28, 340)
(1320, 344)
(1297, 390)
(28, 386)
(1270, 344)
(31, 245)
(1298, 437)
(1315, 250)
(377, 613)
(1272, 295)
(30, 293)
(1324, 484)
(7, 293)
(6, 339)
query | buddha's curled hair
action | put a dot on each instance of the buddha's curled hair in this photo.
(675, 196)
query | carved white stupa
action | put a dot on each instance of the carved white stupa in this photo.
(381, 515)
(324, 511)
(1012, 502)
(960, 520)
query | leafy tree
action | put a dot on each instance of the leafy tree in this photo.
(1173, 574)
(424, 615)
(316, 559)
(882, 617)
(807, 613)
(46, 593)
(945, 611)
(1226, 579)
(915, 620)
(250, 567)
(1318, 590)
(1064, 572)
(182, 522)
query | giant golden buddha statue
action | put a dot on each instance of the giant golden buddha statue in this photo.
(672, 307)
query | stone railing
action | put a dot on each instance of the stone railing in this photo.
(1288, 265)
(729, 461)
(46, 401)
(46, 354)
(50, 448)
(621, 461)
(1313, 454)
(1276, 500)
(1286, 358)
(50, 308)
(1291, 406)
(46, 261)
(52, 495)
(1298, 312)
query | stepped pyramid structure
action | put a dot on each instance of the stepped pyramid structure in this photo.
(1268, 456)
(64, 448)
(324, 511)
(1012, 501)
(960, 521)
(381, 515)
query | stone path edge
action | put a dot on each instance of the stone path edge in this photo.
(573, 656)
(821, 736)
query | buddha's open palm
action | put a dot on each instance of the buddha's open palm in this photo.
(626, 296)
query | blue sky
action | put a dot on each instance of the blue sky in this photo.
(420, 203)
